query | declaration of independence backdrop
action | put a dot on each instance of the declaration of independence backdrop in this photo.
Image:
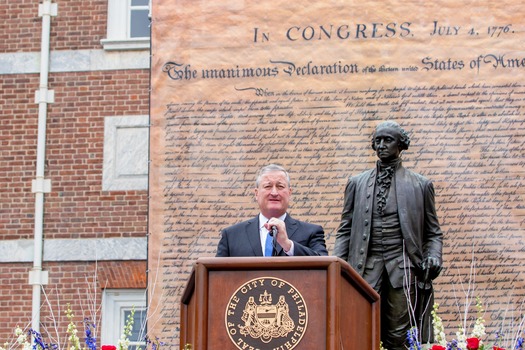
(238, 84)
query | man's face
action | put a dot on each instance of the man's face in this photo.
(273, 194)
(386, 143)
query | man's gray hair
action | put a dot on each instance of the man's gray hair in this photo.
(271, 168)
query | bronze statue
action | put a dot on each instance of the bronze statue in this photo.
(390, 234)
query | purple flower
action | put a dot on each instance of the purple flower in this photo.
(155, 344)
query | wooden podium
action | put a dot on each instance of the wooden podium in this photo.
(278, 303)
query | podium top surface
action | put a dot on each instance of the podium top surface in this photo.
(205, 265)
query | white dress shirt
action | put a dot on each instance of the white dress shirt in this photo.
(263, 232)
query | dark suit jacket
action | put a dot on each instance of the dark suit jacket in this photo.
(243, 239)
(417, 216)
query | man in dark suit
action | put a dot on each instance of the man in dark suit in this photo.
(273, 231)
(390, 234)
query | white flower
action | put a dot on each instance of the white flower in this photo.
(439, 329)
(478, 331)
(21, 338)
(123, 343)
(461, 338)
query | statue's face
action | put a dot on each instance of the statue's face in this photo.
(386, 143)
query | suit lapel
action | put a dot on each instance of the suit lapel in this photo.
(291, 225)
(254, 237)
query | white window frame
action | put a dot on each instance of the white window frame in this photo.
(114, 303)
(118, 36)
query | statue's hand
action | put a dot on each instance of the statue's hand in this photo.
(431, 267)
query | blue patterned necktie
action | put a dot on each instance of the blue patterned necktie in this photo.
(268, 247)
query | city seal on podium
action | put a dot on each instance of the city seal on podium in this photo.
(266, 313)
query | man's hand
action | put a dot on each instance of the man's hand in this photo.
(282, 235)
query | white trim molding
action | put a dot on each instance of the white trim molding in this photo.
(90, 249)
(74, 61)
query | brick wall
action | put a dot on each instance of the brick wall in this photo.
(79, 284)
(77, 204)
(80, 25)
(77, 207)
(15, 299)
(20, 27)
(18, 137)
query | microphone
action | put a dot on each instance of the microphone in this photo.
(273, 234)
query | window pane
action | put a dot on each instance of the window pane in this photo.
(137, 331)
(139, 2)
(138, 346)
(139, 26)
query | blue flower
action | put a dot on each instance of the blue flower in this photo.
(39, 342)
(90, 341)
(412, 338)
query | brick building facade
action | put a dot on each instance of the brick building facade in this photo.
(94, 130)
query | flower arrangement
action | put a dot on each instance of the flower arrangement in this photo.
(474, 341)
(24, 338)
(462, 342)
(471, 333)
